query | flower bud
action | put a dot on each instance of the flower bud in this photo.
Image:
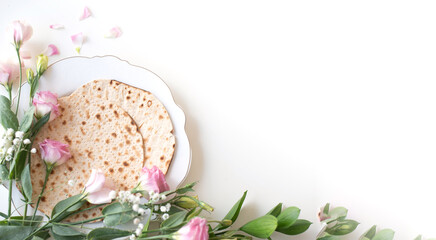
(44, 103)
(21, 32)
(30, 75)
(98, 189)
(153, 180)
(186, 202)
(196, 228)
(54, 152)
(41, 64)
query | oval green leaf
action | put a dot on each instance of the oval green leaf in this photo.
(107, 234)
(300, 226)
(261, 227)
(385, 234)
(288, 217)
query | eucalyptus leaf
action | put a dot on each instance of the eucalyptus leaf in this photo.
(65, 231)
(107, 234)
(41, 236)
(338, 212)
(234, 212)
(8, 119)
(276, 210)
(117, 213)
(17, 165)
(26, 182)
(370, 233)
(342, 227)
(14, 232)
(328, 237)
(288, 217)
(300, 226)
(175, 220)
(26, 123)
(18, 221)
(4, 173)
(385, 234)
(67, 206)
(261, 227)
(60, 237)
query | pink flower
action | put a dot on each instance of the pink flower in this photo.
(85, 14)
(114, 32)
(196, 229)
(22, 32)
(8, 73)
(77, 40)
(98, 188)
(57, 26)
(54, 152)
(153, 180)
(51, 50)
(44, 103)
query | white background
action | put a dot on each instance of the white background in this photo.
(302, 102)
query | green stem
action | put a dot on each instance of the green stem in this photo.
(87, 220)
(25, 212)
(47, 173)
(86, 209)
(21, 79)
(49, 222)
(10, 198)
(155, 237)
(9, 88)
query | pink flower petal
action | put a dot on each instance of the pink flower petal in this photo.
(86, 13)
(57, 26)
(25, 54)
(77, 41)
(114, 32)
(51, 50)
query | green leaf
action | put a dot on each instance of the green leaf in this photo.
(65, 231)
(370, 233)
(385, 234)
(4, 173)
(17, 165)
(419, 237)
(60, 237)
(39, 124)
(338, 212)
(234, 212)
(26, 123)
(70, 204)
(342, 228)
(26, 182)
(117, 213)
(261, 227)
(186, 188)
(175, 220)
(14, 232)
(300, 226)
(7, 117)
(107, 234)
(18, 221)
(41, 236)
(276, 210)
(288, 217)
(328, 237)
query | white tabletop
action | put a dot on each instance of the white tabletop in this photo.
(302, 103)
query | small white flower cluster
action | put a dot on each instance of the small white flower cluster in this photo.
(138, 230)
(155, 197)
(130, 198)
(10, 141)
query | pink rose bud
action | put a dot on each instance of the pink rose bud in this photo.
(153, 180)
(98, 188)
(22, 32)
(195, 229)
(44, 103)
(54, 152)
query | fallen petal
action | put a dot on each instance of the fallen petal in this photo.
(114, 32)
(77, 41)
(25, 54)
(86, 13)
(57, 26)
(51, 50)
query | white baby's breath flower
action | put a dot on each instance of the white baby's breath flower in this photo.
(141, 211)
(151, 193)
(19, 134)
(168, 206)
(10, 150)
(137, 200)
(140, 226)
(135, 207)
(132, 237)
(156, 208)
(71, 182)
(165, 216)
(33, 150)
(138, 231)
(136, 221)
(113, 194)
(27, 141)
(8, 158)
(131, 198)
(163, 197)
(163, 209)
(16, 141)
(10, 132)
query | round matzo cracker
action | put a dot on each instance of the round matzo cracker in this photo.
(102, 136)
(147, 111)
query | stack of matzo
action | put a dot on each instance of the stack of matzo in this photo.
(109, 126)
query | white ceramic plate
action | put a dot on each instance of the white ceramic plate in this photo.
(66, 75)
